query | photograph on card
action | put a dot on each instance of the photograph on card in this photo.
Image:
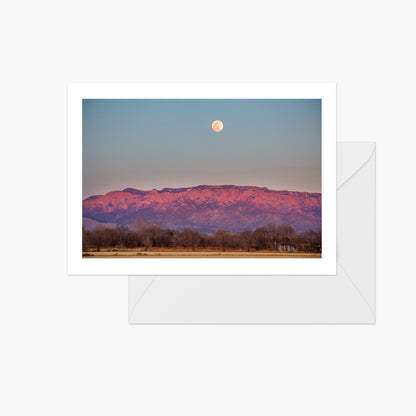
(201, 178)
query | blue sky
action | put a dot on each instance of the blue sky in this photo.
(148, 144)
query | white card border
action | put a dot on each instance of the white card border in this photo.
(86, 266)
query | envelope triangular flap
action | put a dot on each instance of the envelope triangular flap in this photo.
(354, 158)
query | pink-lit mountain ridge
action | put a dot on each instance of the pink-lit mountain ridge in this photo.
(205, 208)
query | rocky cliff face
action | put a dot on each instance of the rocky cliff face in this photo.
(206, 208)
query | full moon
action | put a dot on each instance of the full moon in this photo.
(217, 125)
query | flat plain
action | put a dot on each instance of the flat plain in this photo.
(177, 253)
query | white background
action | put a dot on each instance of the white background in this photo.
(66, 348)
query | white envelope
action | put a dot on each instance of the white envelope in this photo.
(345, 298)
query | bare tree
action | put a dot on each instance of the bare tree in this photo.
(286, 232)
(246, 238)
(261, 238)
(190, 238)
(222, 239)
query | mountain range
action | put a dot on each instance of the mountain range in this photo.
(205, 208)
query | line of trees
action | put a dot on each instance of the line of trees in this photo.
(145, 235)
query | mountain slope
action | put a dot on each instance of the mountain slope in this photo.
(207, 208)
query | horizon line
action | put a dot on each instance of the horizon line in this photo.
(199, 186)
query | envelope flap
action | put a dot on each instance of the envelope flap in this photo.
(354, 158)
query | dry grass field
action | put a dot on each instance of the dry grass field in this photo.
(178, 253)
